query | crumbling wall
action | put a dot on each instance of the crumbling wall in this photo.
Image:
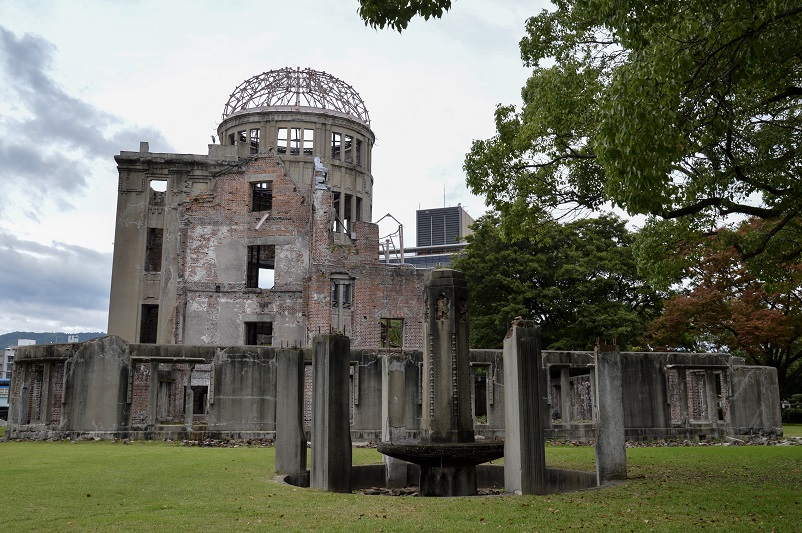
(219, 226)
(243, 395)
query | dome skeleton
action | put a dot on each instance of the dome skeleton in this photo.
(296, 88)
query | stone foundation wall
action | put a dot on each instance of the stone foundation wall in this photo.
(104, 387)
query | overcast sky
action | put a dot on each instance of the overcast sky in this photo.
(80, 84)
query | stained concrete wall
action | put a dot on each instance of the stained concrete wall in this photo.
(754, 402)
(108, 387)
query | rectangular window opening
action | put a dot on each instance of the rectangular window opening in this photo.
(336, 145)
(295, 142)
(262, 196)
(479, 375)
(259, 333)
(359, 152)
(200, 396)
(254, 140)
(153, 250)
(242, 136)
(337, 225)
(349, 202)
(358, 215)
(341, 293)
(231, 139)
(309, 142)
(261, 266)
(282, 140)
(348, 149)
(392, 333)
(149, 323)
(158, 192)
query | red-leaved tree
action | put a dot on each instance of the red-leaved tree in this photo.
(726, 306)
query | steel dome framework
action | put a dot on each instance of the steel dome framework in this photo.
(298, 88)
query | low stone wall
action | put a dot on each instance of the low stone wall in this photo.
(111, 389)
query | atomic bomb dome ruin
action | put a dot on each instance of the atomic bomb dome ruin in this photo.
(229, 267)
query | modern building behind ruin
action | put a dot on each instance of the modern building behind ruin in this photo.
(224, 260)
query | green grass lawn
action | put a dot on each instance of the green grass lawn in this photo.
(792, 430)
(101, 486)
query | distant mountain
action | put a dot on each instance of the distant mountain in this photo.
(10, 339)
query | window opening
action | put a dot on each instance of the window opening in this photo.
(153, 250)
(347, 213)
(359, 152)
(337, 225)
(720, 396)
(259, 333)
(283, 138)
(479, 379)
(309, 142)
(200, 395)
(392, 333)
(262, 197)
(348, 149)
(261, 266)
(242, 136)
(358, 215)
(295, 142)
(231, 140)
(341, 293)
(254, 140)
(158, 190)
(149, 323)
(336, 145)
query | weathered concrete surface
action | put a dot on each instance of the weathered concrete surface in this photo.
(331, 435)
(290, 435)
(611, 453)
(755, 401)
(243, 394)
(394, 394)
(525, 395)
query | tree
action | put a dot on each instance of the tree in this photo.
(685, 111)
(396, 14)
(578, 281)
(726, 307)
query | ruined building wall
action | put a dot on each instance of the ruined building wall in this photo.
(112, 388)
(221, 226)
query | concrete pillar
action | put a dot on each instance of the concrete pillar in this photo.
(393, 415)
(153, 396)
(611, 451)
(593, 396)
(525, 392)
(189, 400)
(331, 431)
(565, 396)
(290, 436)
(446, 413)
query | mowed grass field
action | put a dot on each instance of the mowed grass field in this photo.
(156, 486)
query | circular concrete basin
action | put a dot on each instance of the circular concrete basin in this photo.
(443, 454)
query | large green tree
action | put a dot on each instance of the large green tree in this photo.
(682, 110)
(685, 111)
(578, 281)
(727, 306)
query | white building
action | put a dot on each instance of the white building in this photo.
(8, 357)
